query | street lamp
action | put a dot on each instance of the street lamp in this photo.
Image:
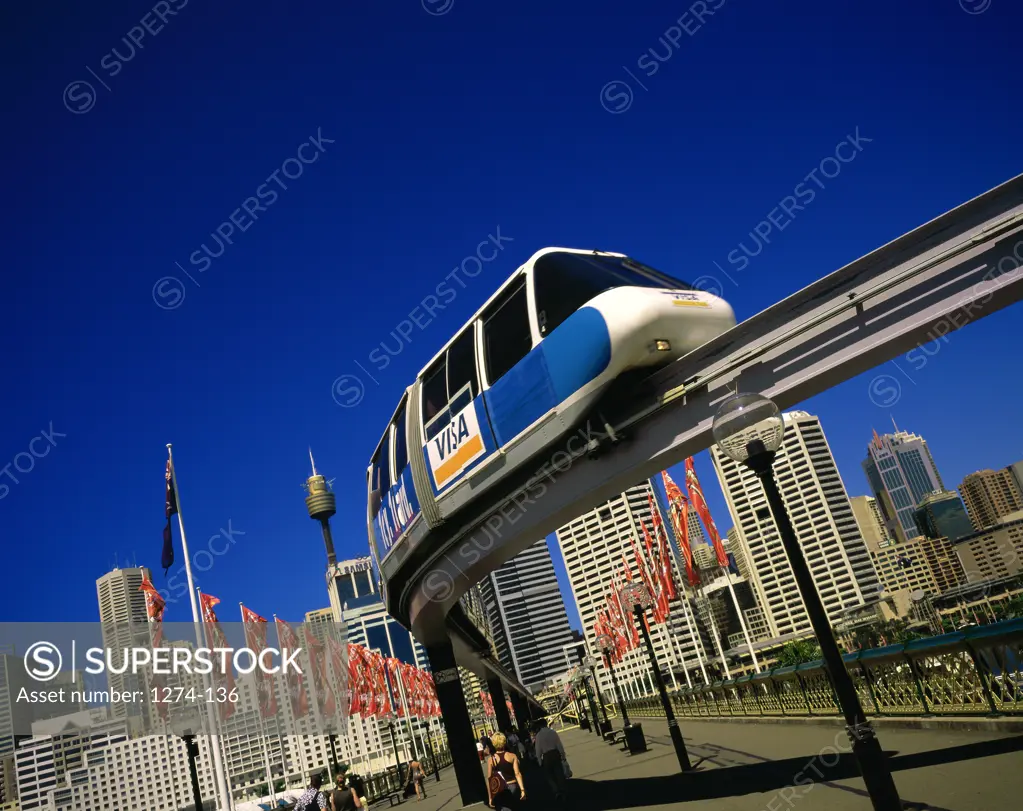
(638, 596)
(591, 673)
(748, 428)
(389, 718)
(606, 643)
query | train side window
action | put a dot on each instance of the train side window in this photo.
(506, 334)
(381, 481)
(435, 391)
(462, 380)
(400, 444)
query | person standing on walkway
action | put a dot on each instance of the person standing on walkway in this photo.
(550, 753)
(416, 774)
(505, 788)
(343, 797)
(312, 798)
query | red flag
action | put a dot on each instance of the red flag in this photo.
(215, 638)
(664, 546)
(700, 503)
(338, 675)
(382, 698)
(679, 515)
(255, 638)
(318, 674)
(295, 681)
(661, 607)
(355, 704)
(155, 605)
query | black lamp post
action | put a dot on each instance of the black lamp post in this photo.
(192, 749)
(591, 673)
(748, 428)
(606, 644)
(638, 596)
(389, 717)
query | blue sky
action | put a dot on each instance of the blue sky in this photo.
(430, 131)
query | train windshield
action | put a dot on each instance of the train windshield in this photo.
(564, 282)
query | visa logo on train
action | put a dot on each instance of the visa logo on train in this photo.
(397, 512)
(458, 445)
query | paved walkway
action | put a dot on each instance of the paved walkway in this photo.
(769, 767)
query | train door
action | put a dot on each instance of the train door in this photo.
(517, 387)
(456, 431)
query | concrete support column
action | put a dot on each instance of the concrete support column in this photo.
(521, 707)
(500, 707)
(457, 724)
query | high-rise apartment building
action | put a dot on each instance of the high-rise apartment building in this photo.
(1016, 471)
(993, 552)
(823, 521)
(124, 624)
(354, 583)
(527, 615)
(900, 471)
(905, 567)
(594, 546)
(990, 496)
(870, 522)
(942, 515)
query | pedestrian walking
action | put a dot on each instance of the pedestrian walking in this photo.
(418, 776)
(343, 797)
(550, 753)
(505, 788)
(312, 798)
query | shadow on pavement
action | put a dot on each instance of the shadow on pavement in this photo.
(766, 776)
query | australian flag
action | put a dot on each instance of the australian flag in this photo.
(732, 566)
(167, 558)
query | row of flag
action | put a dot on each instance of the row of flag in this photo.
(338, 678)
(653, 563)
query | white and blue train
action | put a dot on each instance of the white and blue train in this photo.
(529, 366)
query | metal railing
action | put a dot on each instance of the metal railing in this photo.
(380, 785)
(977, 671)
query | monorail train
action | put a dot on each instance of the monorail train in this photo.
(528, 367)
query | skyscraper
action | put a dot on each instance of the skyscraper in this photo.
(352, 583)
(990, 496)
(823, 521)
(527, 615)
(870, 522)
(900, 471)
(124, 623)
(942, 515)
(594, 546)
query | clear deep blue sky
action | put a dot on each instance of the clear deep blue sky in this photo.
(443, 128)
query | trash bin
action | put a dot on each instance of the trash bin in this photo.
(635, 742)
(605, 727)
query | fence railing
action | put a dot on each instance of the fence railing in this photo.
(977, 671)
(381, 784)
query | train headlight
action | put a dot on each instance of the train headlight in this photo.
(661, 346)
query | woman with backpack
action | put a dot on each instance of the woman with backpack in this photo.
(504, 778)
(312, 798)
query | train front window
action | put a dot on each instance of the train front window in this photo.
(564, 282)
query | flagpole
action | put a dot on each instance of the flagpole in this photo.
(683, 597)
(697, 641)
(742, 622)
(262, 726)
(214, 716)
(218, 760)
